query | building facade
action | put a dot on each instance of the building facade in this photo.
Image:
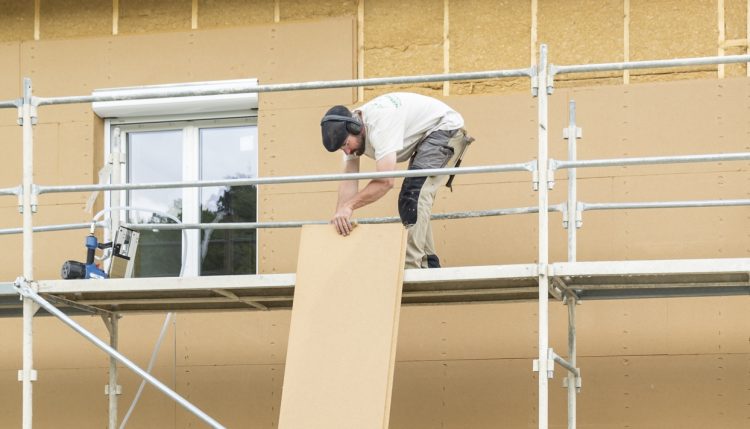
(650, 363)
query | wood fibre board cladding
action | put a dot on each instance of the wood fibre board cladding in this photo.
(342, 340)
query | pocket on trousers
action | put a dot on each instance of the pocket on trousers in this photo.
(432, 155)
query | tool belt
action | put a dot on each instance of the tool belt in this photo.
(467, 139)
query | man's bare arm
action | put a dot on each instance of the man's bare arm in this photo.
(374, 190)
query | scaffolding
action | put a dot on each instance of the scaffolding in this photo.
(568, 282)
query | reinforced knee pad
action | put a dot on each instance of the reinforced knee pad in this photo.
(408, 199)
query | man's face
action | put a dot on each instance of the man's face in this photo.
(353, 145)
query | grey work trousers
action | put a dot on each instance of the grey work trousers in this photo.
(439, 149)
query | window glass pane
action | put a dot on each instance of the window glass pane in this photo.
(228, 153)
(156, 156)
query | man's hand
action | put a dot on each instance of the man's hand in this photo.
(342, 220)
(350, 199)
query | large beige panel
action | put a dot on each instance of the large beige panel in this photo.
(17, 20)
(10, 174)
(489, 35)
(505, 129)
(675, 326)
(236, 395)
(212, 14)
(463, 394)
(159, 59)
(12, 262)
(304, 63)
(663, 233)
(144, 16)
(10, 89)
(10, 397)
(79, 60)
(69, 398)
(605, 328)
(245, 338)
(64, 348)
(582, 32)
(64, 156)
(213, 55)
(403, 38)
(342, 339)
(503, 240)
(684, 391)
(10, 79)
(735, 19)
(302, 9)
(674, 118)
(672, 29)
(461, 332)
(61, 19)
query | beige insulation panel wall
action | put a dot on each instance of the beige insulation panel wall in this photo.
(647, 363)
(432, 36)
(668, 363)
(69, 138)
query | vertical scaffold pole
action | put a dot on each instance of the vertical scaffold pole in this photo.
(572, 382)
(112, 323)
(572, 135)
(542, 168)
(27, 375)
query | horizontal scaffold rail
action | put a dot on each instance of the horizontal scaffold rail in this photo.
(651, 160)
(284, 224)
(649, 64)
(455, 285)
(247, 88)
(663, 204)
(527, 166)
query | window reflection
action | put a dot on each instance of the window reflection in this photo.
(156, 156)
(228, 153)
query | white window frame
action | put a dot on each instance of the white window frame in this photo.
(191, 114)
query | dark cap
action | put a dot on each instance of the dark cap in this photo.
(334, 130)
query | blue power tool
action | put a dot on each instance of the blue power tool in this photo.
(89, 270)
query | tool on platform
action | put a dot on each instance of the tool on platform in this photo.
(122, 259)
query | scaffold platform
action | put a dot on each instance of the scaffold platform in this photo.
(455, 285)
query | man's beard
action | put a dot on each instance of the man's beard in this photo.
(361, 149)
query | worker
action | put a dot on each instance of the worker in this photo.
(392, 128)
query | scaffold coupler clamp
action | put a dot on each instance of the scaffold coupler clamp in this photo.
(34, 198)
(32, 111)
(578, 381)
(551, 167)
(551, 72)
(550, 367)
(534, 82)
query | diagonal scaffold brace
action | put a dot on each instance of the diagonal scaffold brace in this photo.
(25, 289)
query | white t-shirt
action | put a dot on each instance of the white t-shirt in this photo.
(396, 122)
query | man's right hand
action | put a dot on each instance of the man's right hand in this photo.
(342, 220)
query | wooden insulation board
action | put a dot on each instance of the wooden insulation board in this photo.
(342, 339)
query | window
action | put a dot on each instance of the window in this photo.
(197, 145)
